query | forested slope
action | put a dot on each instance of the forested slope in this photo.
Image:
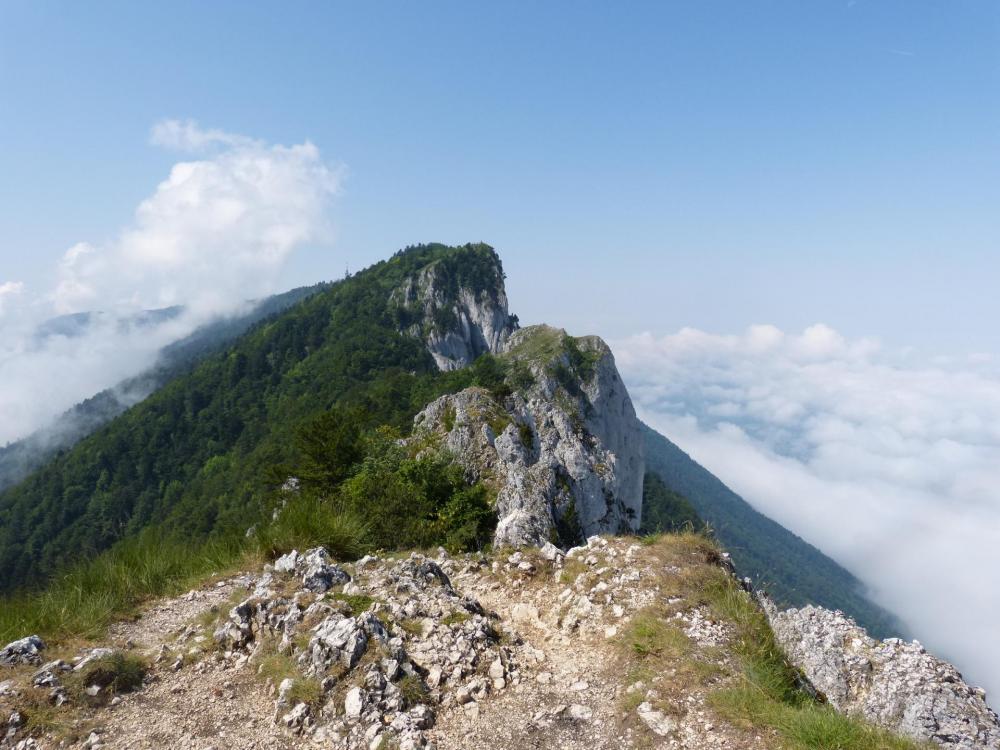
(791, 569)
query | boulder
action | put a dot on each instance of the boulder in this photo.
(24, 651)
(891, 683)
(565, 450)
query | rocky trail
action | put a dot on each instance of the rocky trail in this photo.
(519, 650)
(609, 645)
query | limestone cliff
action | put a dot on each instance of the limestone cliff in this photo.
(563, 448)
(891, 683)
(458, 308)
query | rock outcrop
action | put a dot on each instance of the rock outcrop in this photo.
(892, 683)
(460, 312)
(563, 449)
(23, 651)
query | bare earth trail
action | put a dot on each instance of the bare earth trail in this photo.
(553, 671)
(208, 705)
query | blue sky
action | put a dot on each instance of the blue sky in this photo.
(712, 164)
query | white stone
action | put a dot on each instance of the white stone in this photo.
(354, 702)
(657, 721)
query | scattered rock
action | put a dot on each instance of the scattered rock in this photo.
(24, 651)
(657, 721)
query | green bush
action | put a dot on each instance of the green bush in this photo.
(115, 673)
(358, 603)
(309, 521)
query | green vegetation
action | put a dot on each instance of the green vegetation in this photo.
(197, 458)
(115, 673)
(649, 635)
(275, 668)
(455, 618)
(357, 603)
(794, 572)
(20, 458)
(770, 693)
(412, 626)
(83, 601)
(163, 495)
(569, 360)
(664, 510)
(413, 690)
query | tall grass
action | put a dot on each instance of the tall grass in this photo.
(82, 602)
(308, 521)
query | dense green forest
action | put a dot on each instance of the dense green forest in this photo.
(793, 571)
(202, 457)
(20, 458)
(664, 510)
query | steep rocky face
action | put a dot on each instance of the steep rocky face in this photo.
(563, 450)
(459, 311)
(891, 683)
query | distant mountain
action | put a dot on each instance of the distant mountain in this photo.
(793, 571)
(78, 324)
(19, 458)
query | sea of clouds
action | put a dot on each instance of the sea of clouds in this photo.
(212, 236)
(886, 460)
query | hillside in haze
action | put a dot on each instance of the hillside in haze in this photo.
(20, 457)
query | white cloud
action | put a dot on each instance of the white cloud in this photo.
(186, 135)
(9, 289)
(211, 236)
(215, 230)
(889, 463)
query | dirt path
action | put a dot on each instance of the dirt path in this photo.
(570, 684)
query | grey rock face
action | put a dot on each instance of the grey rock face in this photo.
(24, 651)
(893, 684)
(318, 572)
(456, 326)
(564, 452)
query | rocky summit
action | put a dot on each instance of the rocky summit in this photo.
(459, 316)
(564, 452)
(531, 648)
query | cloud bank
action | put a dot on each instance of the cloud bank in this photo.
(211, 236)
(887, 461)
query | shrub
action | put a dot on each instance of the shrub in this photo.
(311, 521)
(115, 673)
(413, 689)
